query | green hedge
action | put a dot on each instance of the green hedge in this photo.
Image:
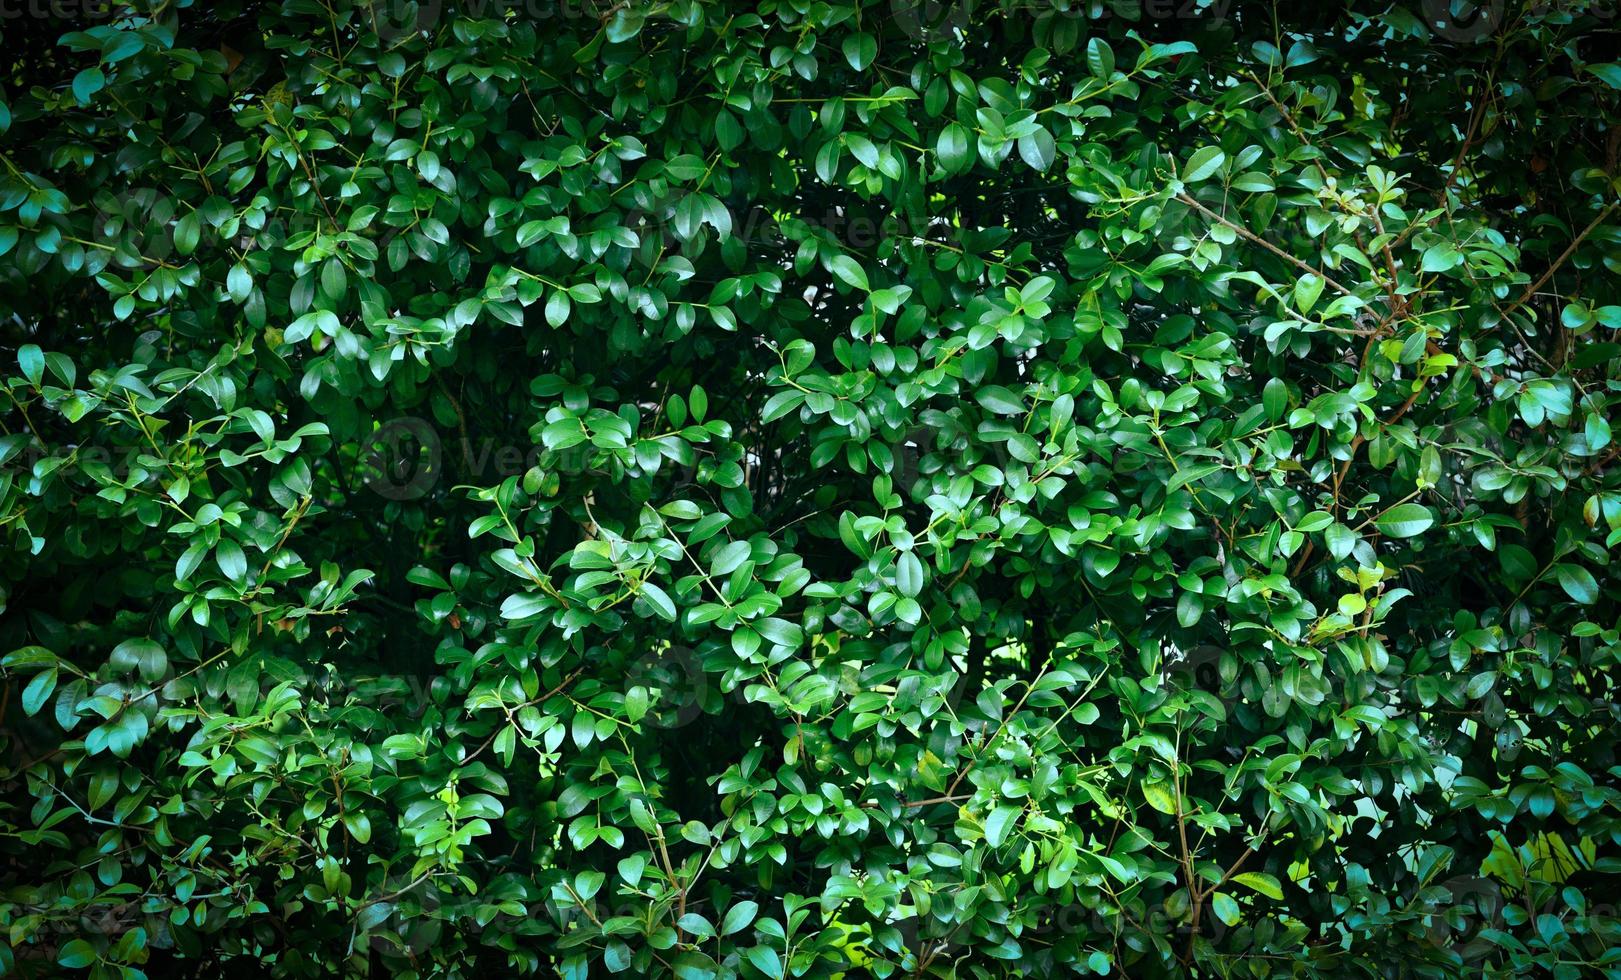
(809, 488)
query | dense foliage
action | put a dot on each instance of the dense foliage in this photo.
(809, 487)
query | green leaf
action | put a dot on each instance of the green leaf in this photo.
(1307, 289)
(1159, 796)
(659, 600)
(1204, 162)
(76, 954)
(38, 691)
(1577, 582)
(1263, 883)
(781, 404)
(848, 270)
(187, 232)
(231, 560)
(1608, 72)
(1404, 521)
(238, 283)
(1038, 149)
(1275, 397)
(859, 50)
(359, 826)
(32, 363)
(143, 655)
(909, 575)
(781, 632)
(120, 45)
(766, 960)
(727, 559)
(1099, 59)
(953, 148)
(999, 400)
(738, 917)
(999, 824)
(87, 83)
(1441, 257)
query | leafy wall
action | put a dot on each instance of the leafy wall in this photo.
(803, 488)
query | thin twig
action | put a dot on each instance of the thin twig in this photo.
(1251, 236)
(1531, 290)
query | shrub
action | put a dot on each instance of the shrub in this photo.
(797, 489)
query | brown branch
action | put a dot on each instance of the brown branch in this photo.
(1252, 237)
(510, 711)
(1599, 463)
(1187, 856)
(1468, 140)
(1339, 477)
(1290, 119)
(1564, 257)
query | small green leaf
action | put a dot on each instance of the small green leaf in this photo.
(32, 362)
(999, 400)
(1609, 72)
(952, 147)
(766, 960)
(1577, 582)
(75, 954)
(1038, 149)
(1159, 796)
(1441, 257)
(87, 83)
(848, 270)
(232, 561)
(1263, 883)
(1275, 398)
(38, 691)
(1099, 59)
(659, 600)
(999, 824)
(1307, 289)
(859, 50)
(738, 917)
(1404, 521)
(1204, 162)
